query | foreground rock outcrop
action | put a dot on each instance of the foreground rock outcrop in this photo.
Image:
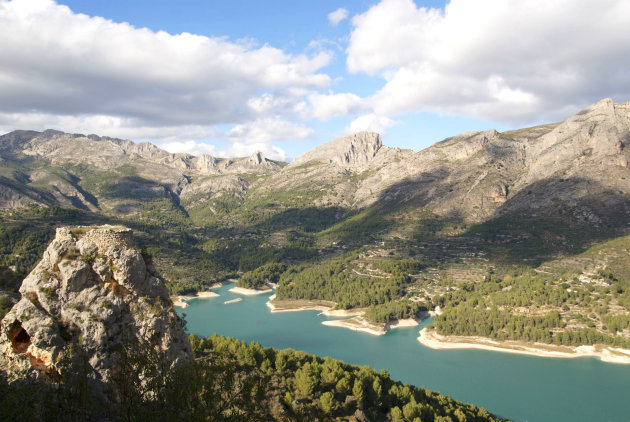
(90, 294)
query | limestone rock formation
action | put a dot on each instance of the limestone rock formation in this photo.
(91, 291)
(479, 175)
(352, 152)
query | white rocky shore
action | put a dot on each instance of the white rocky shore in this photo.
(249, 292)
(431, 339)
(181, 301)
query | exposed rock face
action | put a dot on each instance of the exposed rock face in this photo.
(478, 175)
(92, 291)
(352, 152)
(474, 175)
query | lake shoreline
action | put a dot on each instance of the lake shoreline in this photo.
(180, 301)
(249, 292)
(429, 338)
(359, 323)
(586, 386)
(356, 321)
(327, 308)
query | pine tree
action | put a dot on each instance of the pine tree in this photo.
(358, 391)
(328, 403)
(306, 380)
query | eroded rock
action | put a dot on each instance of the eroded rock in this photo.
(91, 292)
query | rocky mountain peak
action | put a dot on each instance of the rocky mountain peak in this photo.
(465, 145)
(205, 164)
(91, 292)
(352, 152)
(622, 112)
(257, 158)
(255, 163)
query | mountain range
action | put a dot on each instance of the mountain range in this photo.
(581, 163)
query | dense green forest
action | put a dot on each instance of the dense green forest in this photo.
(550, 311)
(230, 381)
(394, 310)
(258, 278)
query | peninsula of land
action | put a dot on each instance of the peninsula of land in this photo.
(355, 318)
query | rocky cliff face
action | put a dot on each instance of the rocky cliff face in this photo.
(91, 291)
(478, 175)
(337, 169)
(353, 152)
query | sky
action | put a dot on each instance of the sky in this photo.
(229, 78)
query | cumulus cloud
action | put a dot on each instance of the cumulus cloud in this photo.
(268, 129)
(112, 78)
(513, 61)
(237, 149)
(191, 147)
(116, 127)
(327, 106)
(292, 104)
(370, 123)
(337, 16)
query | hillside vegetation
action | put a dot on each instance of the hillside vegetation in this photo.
(232, 381)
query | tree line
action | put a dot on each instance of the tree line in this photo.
(228, 380)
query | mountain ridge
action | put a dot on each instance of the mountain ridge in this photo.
(481, 169)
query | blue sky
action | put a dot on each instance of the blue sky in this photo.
(231, 77)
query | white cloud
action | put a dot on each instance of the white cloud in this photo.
(103, 125)
(370, 123)
(291, 104)
(190, 147)
(337, 16)
(327, 106)
(72, 70)
(268, 129)
(514, 61)
(236, 149)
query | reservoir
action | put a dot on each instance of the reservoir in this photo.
(523, 388)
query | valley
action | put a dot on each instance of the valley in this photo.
(525, 233)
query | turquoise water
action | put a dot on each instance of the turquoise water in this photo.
(523, 388)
